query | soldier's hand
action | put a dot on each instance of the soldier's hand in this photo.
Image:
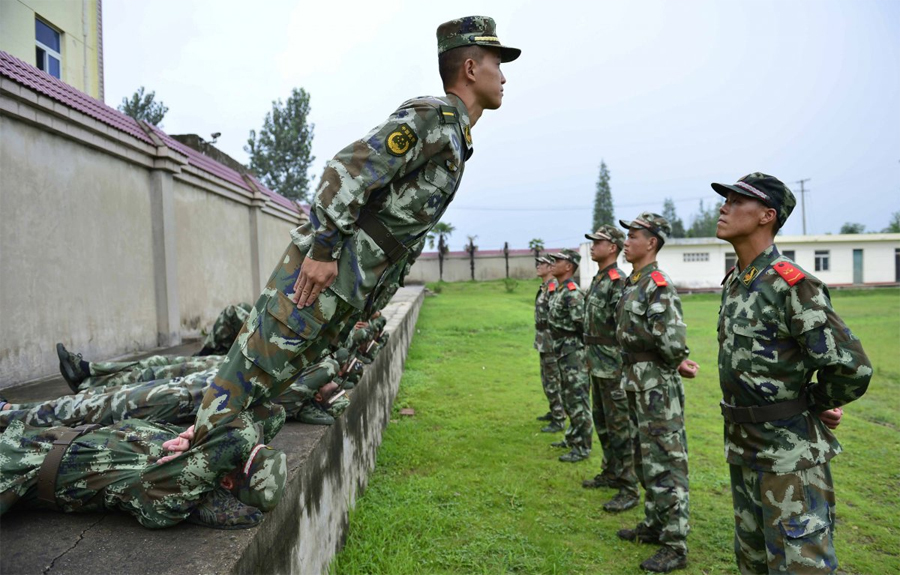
(178, 445)
(314, 277)
(832, 417)
(688, 368)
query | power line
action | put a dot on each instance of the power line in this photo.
(565, 209)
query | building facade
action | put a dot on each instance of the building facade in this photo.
(61, 37)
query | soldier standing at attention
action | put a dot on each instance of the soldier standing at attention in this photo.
(543, 342)
(609, 404)
(776, 328)
(566, 319)
(376, 201)
(652, 336)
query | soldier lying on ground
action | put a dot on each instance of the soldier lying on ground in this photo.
(225, 483)
(171, 400)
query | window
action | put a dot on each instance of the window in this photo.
(789, 254)
(822, 257)
(47, 48)
(696, 257)
(730, 261)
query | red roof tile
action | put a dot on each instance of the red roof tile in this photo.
(43, 83)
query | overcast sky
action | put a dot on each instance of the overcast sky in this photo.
(672, 95)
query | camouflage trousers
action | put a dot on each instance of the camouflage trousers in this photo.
(225, 329)
(661, 457)
(550, 382)
(275, 344)
(576, 397)
(154, 368)
(609, 408)
(783, 522)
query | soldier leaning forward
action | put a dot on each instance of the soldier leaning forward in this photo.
(776, 329)
(566, 319)
(543, 343)
(652, 336)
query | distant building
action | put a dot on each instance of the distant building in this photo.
(61, 37)
(838, 260)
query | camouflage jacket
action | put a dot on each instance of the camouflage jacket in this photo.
(649, 319)
(566, 318)
(405, 172)
(543, 341)
(115, 468)
(776, 328)
(604, 360)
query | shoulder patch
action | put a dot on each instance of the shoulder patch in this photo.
(789, 273)
(401, 140)
(727, 275)
(658, 279)
(749, 275)
(449, 115)
(614, 274)
(551, 287)
(571, 285)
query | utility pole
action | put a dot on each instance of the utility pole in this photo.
(803, 200)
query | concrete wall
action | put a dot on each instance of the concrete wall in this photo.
(80, 45)
(701, 262)
(456, 267)
(112, 245)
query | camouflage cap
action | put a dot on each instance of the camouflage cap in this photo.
(567, 254)
(262, 482)
(544, 260)
(768, 189)
(653, 223)
(610, 234)
(473, 31)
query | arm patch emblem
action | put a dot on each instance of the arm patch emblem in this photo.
(614, 275)
(659, 279)
(401, 140)
(789, 273)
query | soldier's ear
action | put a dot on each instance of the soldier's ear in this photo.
(768, 216)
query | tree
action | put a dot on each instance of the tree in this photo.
(603, 204)
(851, 228)
(144, 107)
(676, 223)
(536, 245)
(441, 231)
(282, 154)
(704, 223)
(471, 248)
(894, 226)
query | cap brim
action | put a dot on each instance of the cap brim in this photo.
(508, 54)
(723, 189)
(624, 224)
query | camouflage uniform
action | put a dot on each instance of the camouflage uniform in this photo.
(105, 374)
(776, 328)
(397, 180)
(225, 329)
(652, 335)
(115, 468)
(543, 343)
(566, 319)
(609, 402)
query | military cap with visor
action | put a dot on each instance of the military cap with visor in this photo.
(767, 189)
(544, 260)
(610, 234)
(653, 223)
(473, 31)
(568, 255)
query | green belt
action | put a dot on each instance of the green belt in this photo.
(631, 358)
(542, 325)
(561, 333)
(764, 413)
(391, 246)
(599, 340)
(46, 479)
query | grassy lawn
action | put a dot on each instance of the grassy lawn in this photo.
(469, 484)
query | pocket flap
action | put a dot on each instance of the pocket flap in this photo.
(300, 321)
(805, 525)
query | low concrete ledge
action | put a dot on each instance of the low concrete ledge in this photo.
(328, 469)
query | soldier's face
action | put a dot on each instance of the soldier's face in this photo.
(601, 249)
(489, 80)
(740, 216)
(637, 245)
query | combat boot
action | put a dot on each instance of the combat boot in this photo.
(639, 533)
(553, 428)
(221, 510)
(664, 560)
(546, 417)
(314, 416)
(72, 367)
(574, 456)
(600, 480)
(623, 501)
(561, 444)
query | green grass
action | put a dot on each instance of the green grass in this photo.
(469, 485)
